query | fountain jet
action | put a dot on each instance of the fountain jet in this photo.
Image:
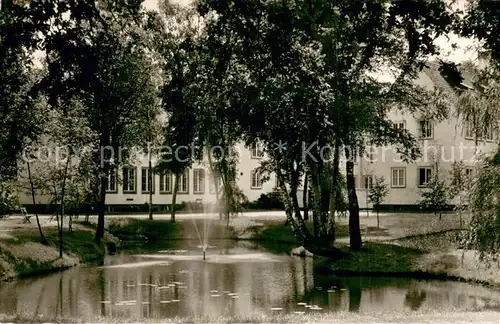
(204, 250)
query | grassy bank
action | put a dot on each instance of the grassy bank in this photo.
(374, 258)
(429, 256)
(377, 258)
(395, 256)
(144, 229)
(22, 254)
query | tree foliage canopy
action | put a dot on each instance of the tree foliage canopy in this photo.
(310, 66)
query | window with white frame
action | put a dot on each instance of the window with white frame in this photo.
(198, 181)
(146, 185)
(256, 180)
(184, 182)
(370, 154)
(489, 133)
(257, 150)
(129, 179)
(469, 173)
(469, 131)
(367, 181)
(426, 129)
(166, 182)
(111, 185)
(398, 177)
(424, 175)
(353, 154)
(215, 182)
(400, 125)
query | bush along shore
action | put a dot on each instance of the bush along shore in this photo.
(22, 254)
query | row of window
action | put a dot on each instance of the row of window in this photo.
(166, 185)
(427, 130)
(398, 180)
(398, 177)
(471, 134)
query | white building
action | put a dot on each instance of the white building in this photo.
(129, 184)
(441, 144)
(196, 184)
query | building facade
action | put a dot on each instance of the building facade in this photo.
(441, 144)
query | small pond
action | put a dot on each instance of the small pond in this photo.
(236, 279)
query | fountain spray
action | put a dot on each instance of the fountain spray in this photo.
(204, 249)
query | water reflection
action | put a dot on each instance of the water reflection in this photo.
(354, 299)
(247, 281)
(415, 297)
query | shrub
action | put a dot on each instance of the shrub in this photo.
(7, 199)
(270, 200)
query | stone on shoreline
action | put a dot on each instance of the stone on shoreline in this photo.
(302, 252)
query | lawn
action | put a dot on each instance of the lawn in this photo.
(377, 258)
(23, 255)
(144, 229)
(277, 231)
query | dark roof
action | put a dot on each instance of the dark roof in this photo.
(431, 69)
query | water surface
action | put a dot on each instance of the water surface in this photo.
(236, 279)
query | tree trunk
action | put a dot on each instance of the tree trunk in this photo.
(151, 187)
(104, 141)
(226, 190)
(325, 202)
(378, 220)
(58, 221)
(215, 179)
(304, 197)
(312, 202)
(227, 196)
(337, 190)
(298, 217)
(70, 223)
(331, 212)
(101, 209)
(309, 197)
(63, 192)
(87, 205)
(43, 239)
(58, 209)
(316, 204)
(354, 227)
(174, 197)
(366, 203)
(289, 207)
